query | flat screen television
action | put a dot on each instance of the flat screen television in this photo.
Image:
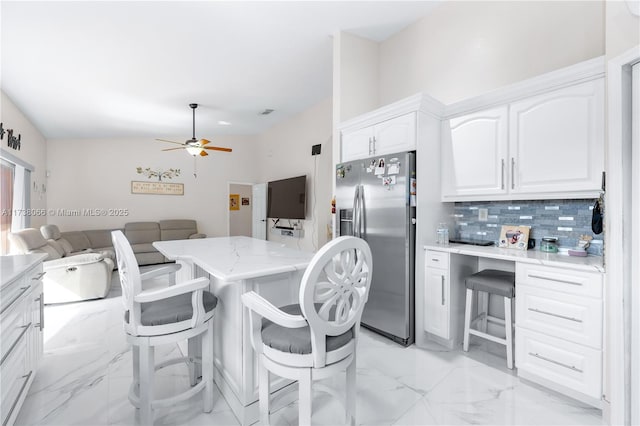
(286, 198)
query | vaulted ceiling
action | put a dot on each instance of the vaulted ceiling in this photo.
(117, 69)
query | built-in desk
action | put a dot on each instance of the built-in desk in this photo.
(235, 265)
(558, 311)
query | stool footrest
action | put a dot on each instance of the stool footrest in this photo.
(488, 337)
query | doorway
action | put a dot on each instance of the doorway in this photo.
(247, 211)
(240, 215)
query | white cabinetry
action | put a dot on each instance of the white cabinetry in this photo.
(441, 303)
(437, 301)
(556, 140)
(474, 154)
(546, 146)
(21, 330)
(389, 136)
(559, 329)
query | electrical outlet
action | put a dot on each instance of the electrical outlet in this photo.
(315, 149)
(483, 215)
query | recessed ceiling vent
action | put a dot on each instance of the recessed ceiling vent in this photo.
(267, 111)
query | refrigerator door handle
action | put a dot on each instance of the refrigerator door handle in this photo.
(355, 224)
(361, 217)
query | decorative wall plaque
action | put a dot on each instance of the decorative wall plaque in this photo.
(157, 188)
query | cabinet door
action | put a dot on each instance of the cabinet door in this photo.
(474, 154)
(357, 144)
(556, 140)
(395, 135)
(436, 302)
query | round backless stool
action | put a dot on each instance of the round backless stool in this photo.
(500, 283)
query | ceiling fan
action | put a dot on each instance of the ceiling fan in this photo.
(193, 145)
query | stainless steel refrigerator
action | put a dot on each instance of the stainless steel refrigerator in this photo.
(375, 200)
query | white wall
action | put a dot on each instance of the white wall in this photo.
(463, 49)
(355, 78)
(97, 174)
(33, 150)
(284, 151)
(240, 220)
(622, 28)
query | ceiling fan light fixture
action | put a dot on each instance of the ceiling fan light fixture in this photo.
(194, 150)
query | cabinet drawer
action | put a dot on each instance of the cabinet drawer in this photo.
(13, 325)
(15, 377)
(588, 284)
(568, 364)
(436, 259)
(574, 318)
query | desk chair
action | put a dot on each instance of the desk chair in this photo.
(317, 337)
(183, 311)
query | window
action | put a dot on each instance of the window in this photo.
(7, 172)
(15, 195)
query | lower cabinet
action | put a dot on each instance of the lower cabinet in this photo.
(443, 295)
(21, 346)
(559, 329)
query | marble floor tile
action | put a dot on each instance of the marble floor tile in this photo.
(85, 375)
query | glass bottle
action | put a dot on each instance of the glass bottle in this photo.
(442, 233)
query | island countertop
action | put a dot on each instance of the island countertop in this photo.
(588, 263)
(13, 265)
(236, 258)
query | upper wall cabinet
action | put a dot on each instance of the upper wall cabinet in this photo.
(474, 154)
(545, 146)
(389, 136)
(556, 140)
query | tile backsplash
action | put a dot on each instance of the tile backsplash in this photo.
(565, 219)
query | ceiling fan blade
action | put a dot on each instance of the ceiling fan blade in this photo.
(203, 153)
(172, 149)
(204, 141)
(164, 140)
(218, 148)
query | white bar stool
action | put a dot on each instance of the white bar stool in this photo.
(490, 281)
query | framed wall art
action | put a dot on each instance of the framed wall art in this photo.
(234, 201)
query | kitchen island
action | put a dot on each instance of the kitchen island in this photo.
(234, 266)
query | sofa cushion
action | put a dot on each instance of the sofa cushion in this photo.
(26, 240)
(52, 253)
(143, 248)
(99, 238)
(177, 229)
(66, 246)
(142, 232)
(50, 232)
(77, 239)
(56, 245)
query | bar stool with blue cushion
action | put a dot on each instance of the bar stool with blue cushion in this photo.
(183, 311)
(317, 337)
(499, 283)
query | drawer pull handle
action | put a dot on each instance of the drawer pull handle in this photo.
(13, 346)
(555, 315)
(40, 299)
(554, 279)
(39, 277)
(13, 406)
(15, 299)
(435, 260)
(561, 364)
(442, 288)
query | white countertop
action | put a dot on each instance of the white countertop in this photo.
(14, 265)
(589, 263)
(236, 258)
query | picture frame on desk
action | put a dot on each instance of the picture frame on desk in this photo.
(514, 237)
